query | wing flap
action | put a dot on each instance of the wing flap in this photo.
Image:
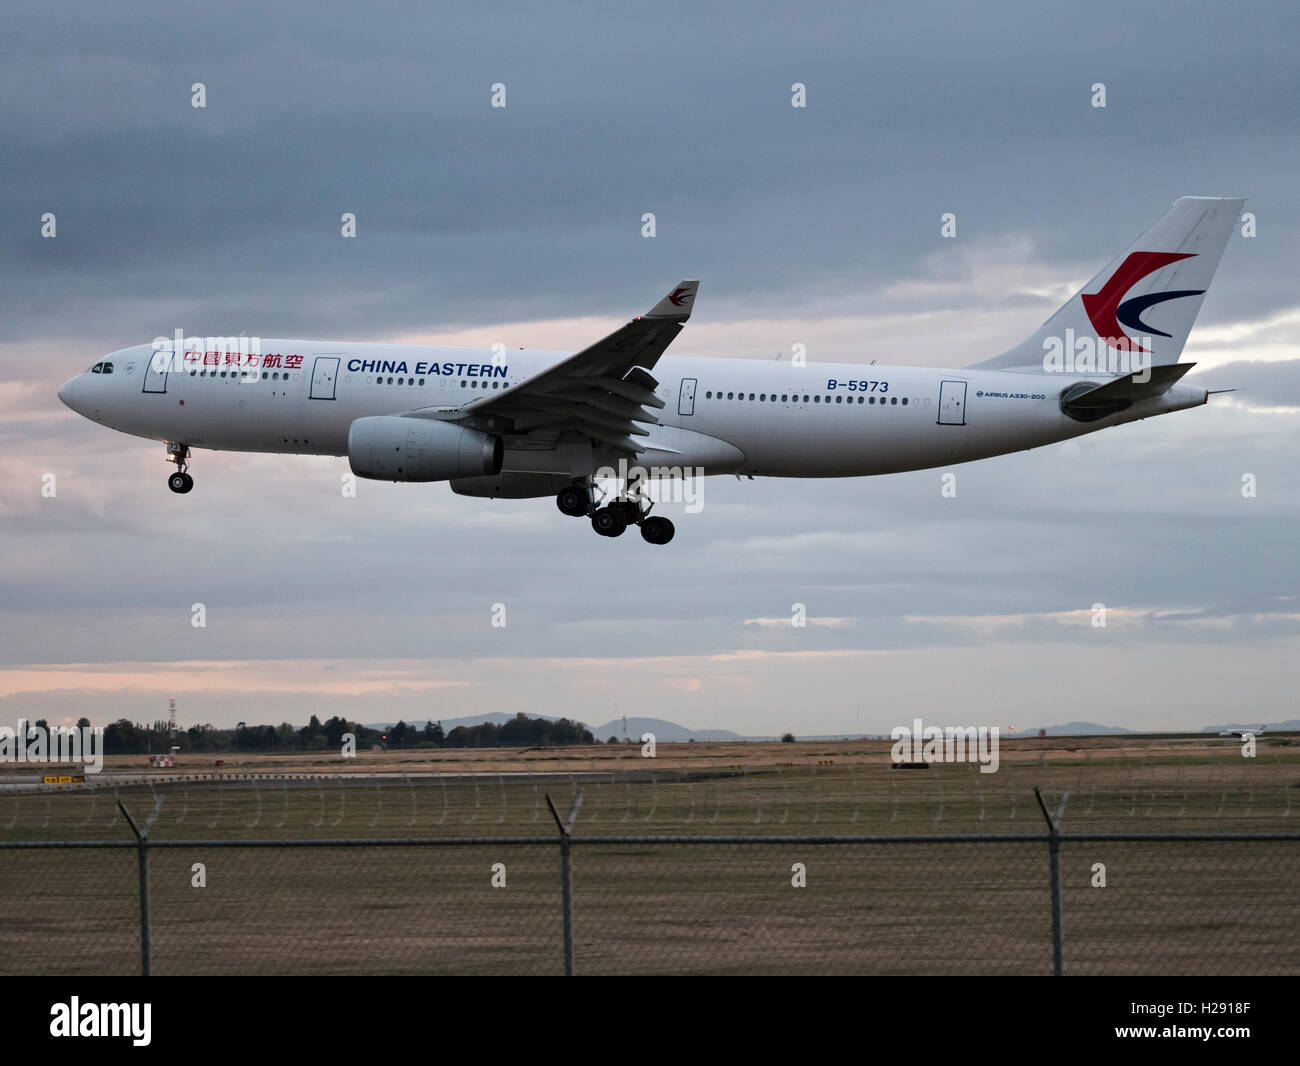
(606, 391)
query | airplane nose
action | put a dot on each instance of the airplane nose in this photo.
(68, 392)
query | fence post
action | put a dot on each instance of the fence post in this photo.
(1054, 864)
(142, 853)
(566, 875)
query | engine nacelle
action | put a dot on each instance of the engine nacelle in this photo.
(394, 448)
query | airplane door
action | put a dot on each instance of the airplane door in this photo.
(952, 403)
(155, 371)
(325, 371)
(686, 398)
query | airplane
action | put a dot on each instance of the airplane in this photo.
(534, 423)
(1242, 732)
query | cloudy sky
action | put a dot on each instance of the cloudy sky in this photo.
(522, 225)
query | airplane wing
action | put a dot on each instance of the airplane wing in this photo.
(605, 392)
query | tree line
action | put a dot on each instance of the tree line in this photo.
(124, 737)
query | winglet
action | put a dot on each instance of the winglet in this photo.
(678, 303)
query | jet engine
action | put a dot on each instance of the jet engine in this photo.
(396, 448)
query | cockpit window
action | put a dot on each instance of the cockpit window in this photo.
(97, 368)
(108, 368)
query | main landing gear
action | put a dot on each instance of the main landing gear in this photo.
(612, 520)
(181, 480)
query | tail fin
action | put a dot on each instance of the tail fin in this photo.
(1140, 308)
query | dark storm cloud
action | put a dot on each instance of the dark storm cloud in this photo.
(473, 214)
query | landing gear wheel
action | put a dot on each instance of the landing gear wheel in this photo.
(573, 501)
(608, 522)
(629, 511)
(657, 530)
(180, 455)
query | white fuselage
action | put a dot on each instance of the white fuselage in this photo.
(725, 416)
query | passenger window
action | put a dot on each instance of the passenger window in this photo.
(730, 395)
(762, 396)
(904, 401)
(893, 399)
(422, 381)
(817, 399)
(839, 399)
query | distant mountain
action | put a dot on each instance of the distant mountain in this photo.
(1270, 727)
(1074, 729)
(665, 732)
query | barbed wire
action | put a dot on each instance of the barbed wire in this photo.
(1109, 788)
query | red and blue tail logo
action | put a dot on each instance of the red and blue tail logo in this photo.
(1107, 314)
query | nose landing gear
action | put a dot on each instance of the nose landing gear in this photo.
(180, 455)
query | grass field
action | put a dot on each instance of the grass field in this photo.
(1177, 907)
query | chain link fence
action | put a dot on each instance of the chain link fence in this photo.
(824, 870)
(1191, 904)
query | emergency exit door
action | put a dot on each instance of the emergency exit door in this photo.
(686, 398)
(324, 374)
(952, 403)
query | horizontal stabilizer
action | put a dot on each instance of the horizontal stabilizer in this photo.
(1087, 403)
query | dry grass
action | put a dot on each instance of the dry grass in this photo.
(653, 908)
